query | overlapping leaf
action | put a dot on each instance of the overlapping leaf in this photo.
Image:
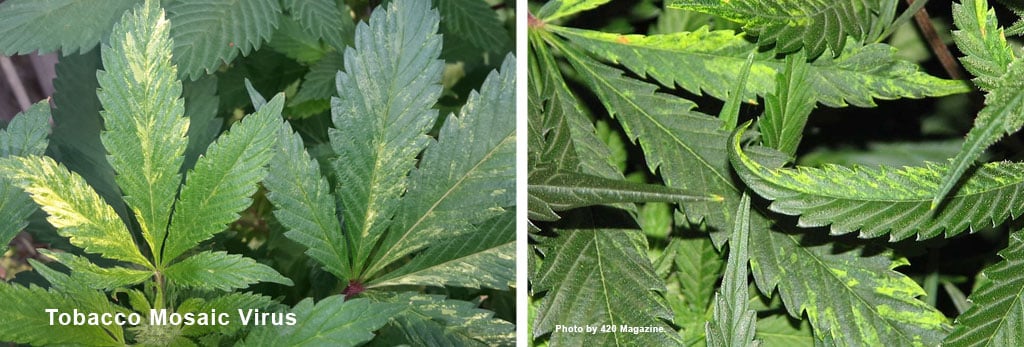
(49, 25)
(474, 21)
(884, 200)
(382, 115)
(143, 109)
(25, 135)
(483, 258)
(92, 277)
(733, 323)
(325, 19)
(433, 320)
(25, 319)
(787, 109)
(711, 61)
(208, 33)
(792, 24)
(560, 8)
(466, 177)
(223, 180)
(996, 315)
(74, 208)
(333, 321)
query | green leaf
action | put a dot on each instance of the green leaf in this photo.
(997, 309)
(560, 8)
(433, 320)
(25, 135)
(711, 61)
(291, 40)
(391, 81)
(474, 21)
(208, 33)
(333, 321)
(325, 19)
(143, 116)
(981, 39)
(884, 200)
(305, 206)
(221, 271)
(74, 208)
(786, 109)
(565, 190)
(778, 331)
(484, 258)
(25, 319)
(224, 303)
(793, 24)
(466, 177)
(733, 323)
(49, 25)
(698, 266)
(91, 276)
(223, 181)
(318, 84)
(598, 276)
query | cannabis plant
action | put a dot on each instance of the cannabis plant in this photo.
(418, 227)
(626, 116)
(403, 210)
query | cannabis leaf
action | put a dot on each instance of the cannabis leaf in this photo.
(711, 61)
(473, 21)
(793, 24)
(786, 110)
(883, 200)
(999, 73)
(209, 33)
(325, 19)
(561, 8)
(733, 323)
(996, 313)
(48, 25)
(25, 135)
(26, 320)
(332, 321)
(435, 320)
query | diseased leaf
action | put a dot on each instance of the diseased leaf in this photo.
(793, 24)
(599, 277)
(224, 302)
(483, 258)
(304, 204)
(221, 271)
(208, 33)
(333, 321)
(223, 180)
(560, 8)
(466, 177)
(997, 306)
(201, 103)
(778, 330)
(49, 25)
(433, 320)
(91, 276)
(27, 322)
(381, 117)
(143, 116)
(884, 200)
(698, 267)
(73, 207)
(711, 61)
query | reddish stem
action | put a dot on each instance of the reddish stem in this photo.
(354, 288)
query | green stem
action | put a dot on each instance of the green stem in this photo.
(159, 302)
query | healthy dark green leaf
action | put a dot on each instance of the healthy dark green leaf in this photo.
(49, 25)
(208, 33)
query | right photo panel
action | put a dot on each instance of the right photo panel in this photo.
(775, 173)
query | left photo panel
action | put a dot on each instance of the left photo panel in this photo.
(258, 173)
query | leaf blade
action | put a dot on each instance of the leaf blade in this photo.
(221, 271)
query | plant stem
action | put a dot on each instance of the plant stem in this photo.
(159, 302)
(949, 63)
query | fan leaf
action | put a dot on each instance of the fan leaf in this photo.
(223, 181)
(26, 320)
(25, 135)
(221, 271)
(143, 116)
(879, 201)
(997, 306)
(208, 33)
(49, 25)
(325, 19)
(333, 321)
(382, 114)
